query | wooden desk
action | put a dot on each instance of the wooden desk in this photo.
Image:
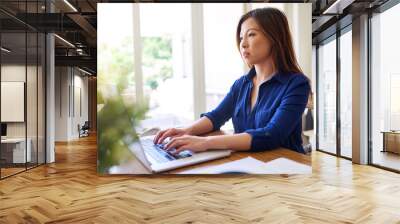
(14, 152)
(391, 141)
(135, 167)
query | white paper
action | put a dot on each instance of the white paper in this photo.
(286, 166)
(253, 166)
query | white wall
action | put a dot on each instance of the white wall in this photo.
(80, 88)
(12, 73)
(71, 93)
(33, 127)
(62, 81)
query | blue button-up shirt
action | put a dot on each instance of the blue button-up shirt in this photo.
(275, 120)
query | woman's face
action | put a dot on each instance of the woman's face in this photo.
(255, 47)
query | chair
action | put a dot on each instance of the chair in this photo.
(84, 130)
(308, 126)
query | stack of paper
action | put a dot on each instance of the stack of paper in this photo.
(250, 165)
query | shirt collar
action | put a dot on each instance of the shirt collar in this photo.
(279, 76)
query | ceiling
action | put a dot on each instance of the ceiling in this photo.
(76, 25)
(329, 16)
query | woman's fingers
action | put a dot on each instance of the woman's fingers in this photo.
(171, 132)
(157, 137)
(172, 144)
(175, 142)
(179, 146)
(186, 142)
(182, 148)
(166, 134)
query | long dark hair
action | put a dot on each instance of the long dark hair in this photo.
(276, 27)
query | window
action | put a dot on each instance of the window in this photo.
(385, 87)
(166, 59)
(23, 88)
(346, 93)
(280, 6)
(115, 55)
(223, 63)
(327, 96)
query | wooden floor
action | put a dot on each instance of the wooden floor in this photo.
(387, 159)
(70, 191)
(10, 171)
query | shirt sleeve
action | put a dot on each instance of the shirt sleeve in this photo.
(285, 118)
(223, 112)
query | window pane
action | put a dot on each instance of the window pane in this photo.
(385, 84)
(13, 83)
(280, 6)
(41, 98)
(223, 64)
(115, 43)
(166, 59)
(31, 100)
(345, 94)
(327, 97)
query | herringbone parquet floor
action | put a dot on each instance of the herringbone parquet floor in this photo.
(70, 191)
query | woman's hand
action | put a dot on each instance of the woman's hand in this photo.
(190, 142)
(170, 132)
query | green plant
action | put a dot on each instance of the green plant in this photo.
(118, 115)
(117, 120)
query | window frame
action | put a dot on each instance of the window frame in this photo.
(28, 29)
(333, 37)
(197, 47)
(371, 14)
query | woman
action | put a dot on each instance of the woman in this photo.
(265, 105)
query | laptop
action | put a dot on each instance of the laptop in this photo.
(156, 159)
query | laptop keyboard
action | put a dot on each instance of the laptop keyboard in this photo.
(157, 152)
